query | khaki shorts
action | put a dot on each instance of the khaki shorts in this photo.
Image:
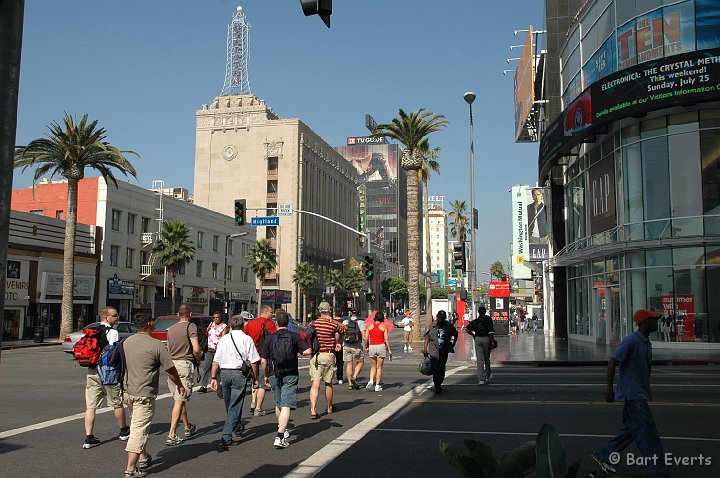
(95, 391)
(185, 369)
(325, 369)
(353, 353)
(406, 336)
(142, 409)
(377, 351)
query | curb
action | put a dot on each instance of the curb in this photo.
(11, 346)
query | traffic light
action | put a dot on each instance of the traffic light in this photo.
(323, 8)
(459, 256)
(239, 212)
(368, 266)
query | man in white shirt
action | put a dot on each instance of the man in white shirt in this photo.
(232, 350)
(407, 325)
(95, 391)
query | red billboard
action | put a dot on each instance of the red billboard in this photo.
(499, 289)
(678, 321)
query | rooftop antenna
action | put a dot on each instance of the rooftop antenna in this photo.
(237, 79)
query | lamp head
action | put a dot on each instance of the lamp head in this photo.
(469, 97)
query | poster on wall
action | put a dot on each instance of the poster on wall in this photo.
(500, 314)
(17, 284)
(520, 241)
(538, 226)
(51, 288)
(679, 28)
(626, 53)
(649, 36)
(678, 321)
(601, 194)
(707, 22)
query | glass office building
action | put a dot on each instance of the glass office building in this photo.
(633, 162)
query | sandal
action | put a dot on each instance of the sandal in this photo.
(314, 416)
(144, 462)
(331, 410)
(137, 473)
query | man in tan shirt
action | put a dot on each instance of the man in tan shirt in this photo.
(184, 348)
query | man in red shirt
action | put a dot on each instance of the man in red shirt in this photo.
(322, 365)
(254, 328)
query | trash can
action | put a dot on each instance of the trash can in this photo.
(39, 334)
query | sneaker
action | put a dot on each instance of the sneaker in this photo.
(124, 434)
(259, 412)
(172, 441)
(378, 388)
(604, 466)
(91, 442)
(190, 431)
(281, 442)
(340, 382)
(481, 382)
(226, 444)
(405, 349)
(286, 435)
(489, 376)
(252, 407)
(438, 389)
(144, 462)
(370, 384)
(409, 349)
(202, 390)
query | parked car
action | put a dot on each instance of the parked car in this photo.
(125, 329)
(164, 322)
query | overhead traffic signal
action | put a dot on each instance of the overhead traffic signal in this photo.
(459, 261)
(323, 8)
(369, 267)
(239, 212)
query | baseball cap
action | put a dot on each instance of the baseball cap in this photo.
(324, 307)
(246, 315)
(355, 311)
(640, 315)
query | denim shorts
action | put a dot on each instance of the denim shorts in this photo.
(284, 390)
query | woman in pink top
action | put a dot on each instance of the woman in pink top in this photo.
(214, 331)
(378, 346)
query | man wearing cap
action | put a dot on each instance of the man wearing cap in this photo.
(407, 325)
(322, 365)
(634, 356)
(353, 349)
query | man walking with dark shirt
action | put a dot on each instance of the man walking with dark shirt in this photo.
(440, 340)
(483, 333)
(634, 356)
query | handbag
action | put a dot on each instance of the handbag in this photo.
(425, 367)
(246, 366)
(493, 343)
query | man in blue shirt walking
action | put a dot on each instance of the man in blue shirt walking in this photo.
(634, 355)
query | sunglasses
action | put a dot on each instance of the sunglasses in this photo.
(114, 315)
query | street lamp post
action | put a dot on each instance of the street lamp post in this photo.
(469, 97)
(226, 303)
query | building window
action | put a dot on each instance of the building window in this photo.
(131, 223)
(144, 258)
(229, 273)
(60, 214)
(244, 274)
(198, 268)
(230, 250)
(37, 212)
(200, 239)
(114, 252)
(272, 164)
(214, 270)
(129, 253)
(145, 224)
(115, 220)
(181, 269)
(216, 242)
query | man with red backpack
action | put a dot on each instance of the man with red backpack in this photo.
(95, 391)
(258, 329)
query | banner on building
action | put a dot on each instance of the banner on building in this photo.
(678, 321)
(194, 295)
(524, 88)
(51, 288)
(538, 226)
(520, 243)
(601, 195)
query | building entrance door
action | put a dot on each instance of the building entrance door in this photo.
(599, 322)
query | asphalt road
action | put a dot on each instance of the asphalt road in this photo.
(390, 433)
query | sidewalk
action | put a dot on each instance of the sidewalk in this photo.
(23, 344)
(535, 348)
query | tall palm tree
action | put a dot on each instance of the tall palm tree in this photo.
(263, 259)
(174, 250)
(429, 163)
(497, 270)
(410, 130)
(457, 228)
(305, 275)
(66, 151)
(336, 280)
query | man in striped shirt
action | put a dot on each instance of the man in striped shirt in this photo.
(322, 365)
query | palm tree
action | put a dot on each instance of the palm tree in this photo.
(336, 280)
(305, 275)
(497, 270)
(174, 250)
(263, 258)
(457, 228)
(429, 163)
(66, 151)
(410, 130)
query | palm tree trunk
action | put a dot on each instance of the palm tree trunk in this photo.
(304, 310)
(172, 292)
(428, 272)
(413, 250)
(259, 304)
(66, 323)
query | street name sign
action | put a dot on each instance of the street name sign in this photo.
(265, 221)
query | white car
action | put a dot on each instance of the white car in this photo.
(125, 329)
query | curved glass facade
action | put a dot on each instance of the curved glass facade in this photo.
(642, 228)
(612, 35)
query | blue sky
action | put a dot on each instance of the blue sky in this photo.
(144, 67)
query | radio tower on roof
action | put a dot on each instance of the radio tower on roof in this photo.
(237, 79)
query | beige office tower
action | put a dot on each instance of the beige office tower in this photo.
(245, 151)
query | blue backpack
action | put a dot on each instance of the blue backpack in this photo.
(111, 366)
